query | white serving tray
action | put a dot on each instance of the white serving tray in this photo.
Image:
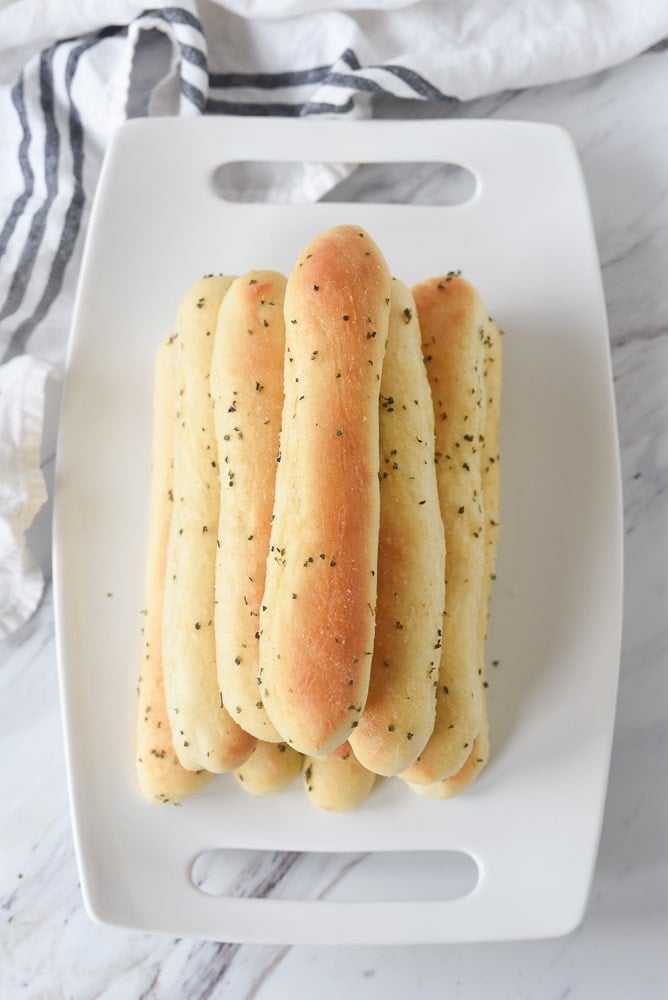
(532, 822)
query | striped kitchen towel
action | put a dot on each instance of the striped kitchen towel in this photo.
(71, 73)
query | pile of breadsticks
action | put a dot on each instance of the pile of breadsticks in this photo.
(323, 529)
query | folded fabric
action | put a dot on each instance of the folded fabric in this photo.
(22, 489)
(71, 73)
(425, 50)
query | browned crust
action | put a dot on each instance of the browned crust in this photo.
(159, 773)
(317, 626)
(398, 717)
(247, 391)
(453, 320)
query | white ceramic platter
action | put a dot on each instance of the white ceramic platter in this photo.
(532, 822)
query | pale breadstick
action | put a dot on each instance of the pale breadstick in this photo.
(337, 782)
(491, 472)
(449, 787)
(491, 496)
(205, 735)
(398, 716)
(317, 625)
(159, 773)
(270, 768)
(453, 320)
(247, 391)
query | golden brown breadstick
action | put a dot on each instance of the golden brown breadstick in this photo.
(337, 782)
(205, 735)
(247, 391)
(453, 321)
(270, 768)
(160, 775)
(398, 716)
(317, 624)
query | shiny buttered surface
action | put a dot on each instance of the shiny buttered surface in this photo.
(323, 532)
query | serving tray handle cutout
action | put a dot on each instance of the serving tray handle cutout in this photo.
(532, 821)
(281, 181)
(500, 906)
(319, 144)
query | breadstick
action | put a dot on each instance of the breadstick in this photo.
(160, 775)
(398, 716)
(491, 496)
(247, 391)
(449, 787)
(270, 768)
(205, 735)
(453, 321)
(318, 615)
(491, 473)
(337, 782)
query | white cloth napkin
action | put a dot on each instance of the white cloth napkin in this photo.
(22, 488)
(70, 73)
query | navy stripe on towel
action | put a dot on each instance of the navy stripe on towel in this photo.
(37, 229)
(21, 200)
(280, 109)
(326, 74)
(73, 214)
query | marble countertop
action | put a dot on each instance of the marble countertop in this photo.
(50, 948)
